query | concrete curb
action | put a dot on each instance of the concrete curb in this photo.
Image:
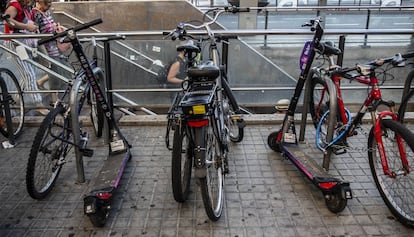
(157, 120)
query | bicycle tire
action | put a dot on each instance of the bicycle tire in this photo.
(181, 164)
(407, 96)
(392, 189)
(16, 105)
(96, 114)
(325, 115)
(45, 159)
(211, 186)
(318, 100)
(234, 123)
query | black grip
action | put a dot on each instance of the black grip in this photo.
(234, 9)
(244, 9)
(115, 37)
(175, 35)
(408, 55)
(75, 28)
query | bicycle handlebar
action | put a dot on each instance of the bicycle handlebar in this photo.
(364, 69)
(313, 24)
(73, 29)
(395, 60)
(180, 33)
(109, 38)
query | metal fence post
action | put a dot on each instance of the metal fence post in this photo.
(265, 27)
(365, 45)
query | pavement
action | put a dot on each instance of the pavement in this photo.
(265, 193)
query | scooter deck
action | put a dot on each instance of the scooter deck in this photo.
(305, 163)
(110, 174)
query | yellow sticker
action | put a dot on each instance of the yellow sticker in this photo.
(199, 109)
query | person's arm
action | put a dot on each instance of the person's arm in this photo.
(12, 11)
(174, 69)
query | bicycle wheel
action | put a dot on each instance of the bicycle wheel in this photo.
(234, 123)
(407, 97)
(96, 114)
(182, 159)
(236, 132)
(16, 104)
(212, 185)
(397, 192)
(319, 99)
(47, 155)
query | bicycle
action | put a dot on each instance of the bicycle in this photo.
(407, 94)
(61, 131)
(12, 111)
(390, 144)
(206, 119)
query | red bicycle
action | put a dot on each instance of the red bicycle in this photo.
(390, 143)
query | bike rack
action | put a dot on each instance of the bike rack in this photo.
(307, 90)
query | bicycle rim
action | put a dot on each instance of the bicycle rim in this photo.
(319, 100)
(96, 114)
(212, 185)
(323, 127)
(395, 191)
(236, 133)
(16, 104)
(47, 155)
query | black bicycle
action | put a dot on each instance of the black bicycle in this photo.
(408, 91)
(11, 104)
(205, 120)
(61, 131)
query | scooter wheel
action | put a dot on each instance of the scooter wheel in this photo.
(335, 202)
(272, 141)
(99, 217)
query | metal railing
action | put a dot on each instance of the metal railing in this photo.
(145, 34)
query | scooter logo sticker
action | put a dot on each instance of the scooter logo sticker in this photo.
(305, 55)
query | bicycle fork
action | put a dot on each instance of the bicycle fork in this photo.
(378, 132)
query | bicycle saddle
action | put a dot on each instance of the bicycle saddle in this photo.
(188, 47)
(206, 71)
(328, 48)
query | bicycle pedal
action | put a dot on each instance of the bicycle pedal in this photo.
(87, 152)
(339, 151)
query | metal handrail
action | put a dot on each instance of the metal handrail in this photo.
(224, 33)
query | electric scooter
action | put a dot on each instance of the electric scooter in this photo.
(336, 192)
(98, 202)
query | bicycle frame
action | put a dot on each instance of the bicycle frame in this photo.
(220, 84)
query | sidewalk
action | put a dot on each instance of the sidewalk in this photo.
(265, 194)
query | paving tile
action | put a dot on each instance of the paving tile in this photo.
(265, 195)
